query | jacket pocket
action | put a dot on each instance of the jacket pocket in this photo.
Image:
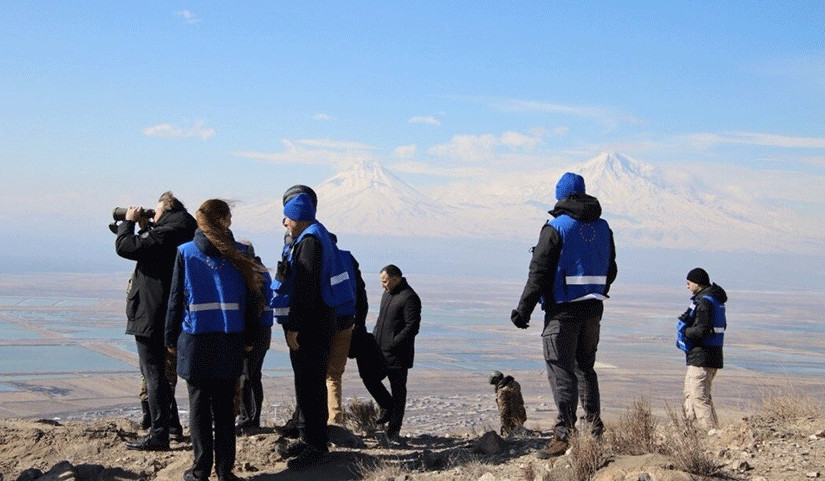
(549, 341)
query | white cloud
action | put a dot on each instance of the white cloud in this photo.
(315, 151)
(322, 116)
(406, 151)
(561, 130)
(603, 115)
(188, 16)
(425, 120)
(485, 147)
(757, 138)
(169, 131)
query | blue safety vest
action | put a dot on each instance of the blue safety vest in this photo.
(337, 282)
(347, 309)
(717, 336)
(584, 260)
(214, 292)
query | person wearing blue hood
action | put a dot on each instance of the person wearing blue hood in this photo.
(572, 268)
(308, 285)
(700, 334)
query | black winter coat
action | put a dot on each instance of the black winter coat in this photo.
(702, 327)
(398, 322)
(314, 321)
(545, 259)
(154, 250)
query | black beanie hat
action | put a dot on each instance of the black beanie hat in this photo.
(699, 276)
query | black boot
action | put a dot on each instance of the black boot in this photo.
(146, 421)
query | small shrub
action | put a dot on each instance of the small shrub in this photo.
(685, 443)
(789, 405)
(588, 453)
(362, 415)
(379, 470)
(635, 433)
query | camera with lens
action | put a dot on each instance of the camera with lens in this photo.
(119, 214)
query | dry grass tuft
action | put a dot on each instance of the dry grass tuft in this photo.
(362, 415)
(380, 470)
(789, 405)
(587, 453)
(635, 433)
(684, 443)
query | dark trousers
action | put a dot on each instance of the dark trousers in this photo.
(309, 364)
(252, 389)
(152, 357)
(395, 402)
(210, 401)
(570, 340)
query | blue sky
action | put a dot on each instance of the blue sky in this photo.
(110, 103)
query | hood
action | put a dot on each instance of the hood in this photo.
(581, 207)
(177, 219)
(203, 244)
(715, 291)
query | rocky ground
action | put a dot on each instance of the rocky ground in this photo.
(787, 443)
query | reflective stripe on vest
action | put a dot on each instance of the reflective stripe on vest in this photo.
(215, 306)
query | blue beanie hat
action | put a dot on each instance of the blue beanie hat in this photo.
(300, 207)
(569, 184)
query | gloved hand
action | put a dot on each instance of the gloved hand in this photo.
(292, 340)
(518, 320)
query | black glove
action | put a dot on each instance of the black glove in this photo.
(519, 321)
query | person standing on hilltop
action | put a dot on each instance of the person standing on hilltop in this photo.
(154, 248)
(572, 268)
(215, 311)
(399, 319)
(309, 284)
(700, 333)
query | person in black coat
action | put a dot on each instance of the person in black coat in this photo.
(154, 248)
(399, 319)
(214, 313)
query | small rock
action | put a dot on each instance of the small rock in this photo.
(819, 434)
(742, 466)
(487, 477)
(490, 443)
(643, 477)
(812, 474)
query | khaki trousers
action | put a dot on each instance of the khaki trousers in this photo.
(335, 369)
(698, 399)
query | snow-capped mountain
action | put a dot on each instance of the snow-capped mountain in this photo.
(646, 207)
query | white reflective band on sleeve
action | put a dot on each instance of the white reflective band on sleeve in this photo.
(584, 280)
(339, 278)
(719, 330)
(281, 311)
(591, 296)
(267, 309)
(211, 306)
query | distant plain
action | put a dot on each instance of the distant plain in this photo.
(65, 353)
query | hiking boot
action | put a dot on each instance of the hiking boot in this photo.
(292, 449)
(310, 457)
(189, 475)
(229, 477)
(176, 434)
(148, 444)
(556, 447)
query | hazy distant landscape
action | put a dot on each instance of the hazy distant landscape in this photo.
(65, 353)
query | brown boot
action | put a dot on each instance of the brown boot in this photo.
(555, 447)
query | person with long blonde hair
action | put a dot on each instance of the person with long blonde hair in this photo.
(214, 310)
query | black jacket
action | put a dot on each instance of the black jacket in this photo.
(154, 250)
(702, 327)
(542, 273)
(398, 322)
(308, 313)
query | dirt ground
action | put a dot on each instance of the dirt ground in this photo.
(756, 448)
